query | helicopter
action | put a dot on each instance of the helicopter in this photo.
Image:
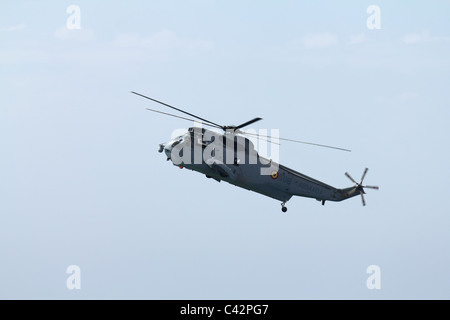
(231, 157)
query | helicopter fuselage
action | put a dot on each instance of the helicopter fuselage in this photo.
(233, 159)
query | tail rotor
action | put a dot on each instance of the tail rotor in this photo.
(360, 187)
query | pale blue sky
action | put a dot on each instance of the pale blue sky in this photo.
(83, 183)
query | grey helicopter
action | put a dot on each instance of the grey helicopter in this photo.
(231, 157)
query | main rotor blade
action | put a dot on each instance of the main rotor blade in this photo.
(168, 105)
(350, 177)
(173, 115)
(364, 174)
(243, 133)
(304, 142)
(247, 123)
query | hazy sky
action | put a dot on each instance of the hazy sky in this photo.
(83, 183)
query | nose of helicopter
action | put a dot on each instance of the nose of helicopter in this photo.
(167, 148)
(168, 151)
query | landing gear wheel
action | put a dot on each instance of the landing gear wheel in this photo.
(284, 209)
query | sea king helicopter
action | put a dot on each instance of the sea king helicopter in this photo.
(232, 157)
